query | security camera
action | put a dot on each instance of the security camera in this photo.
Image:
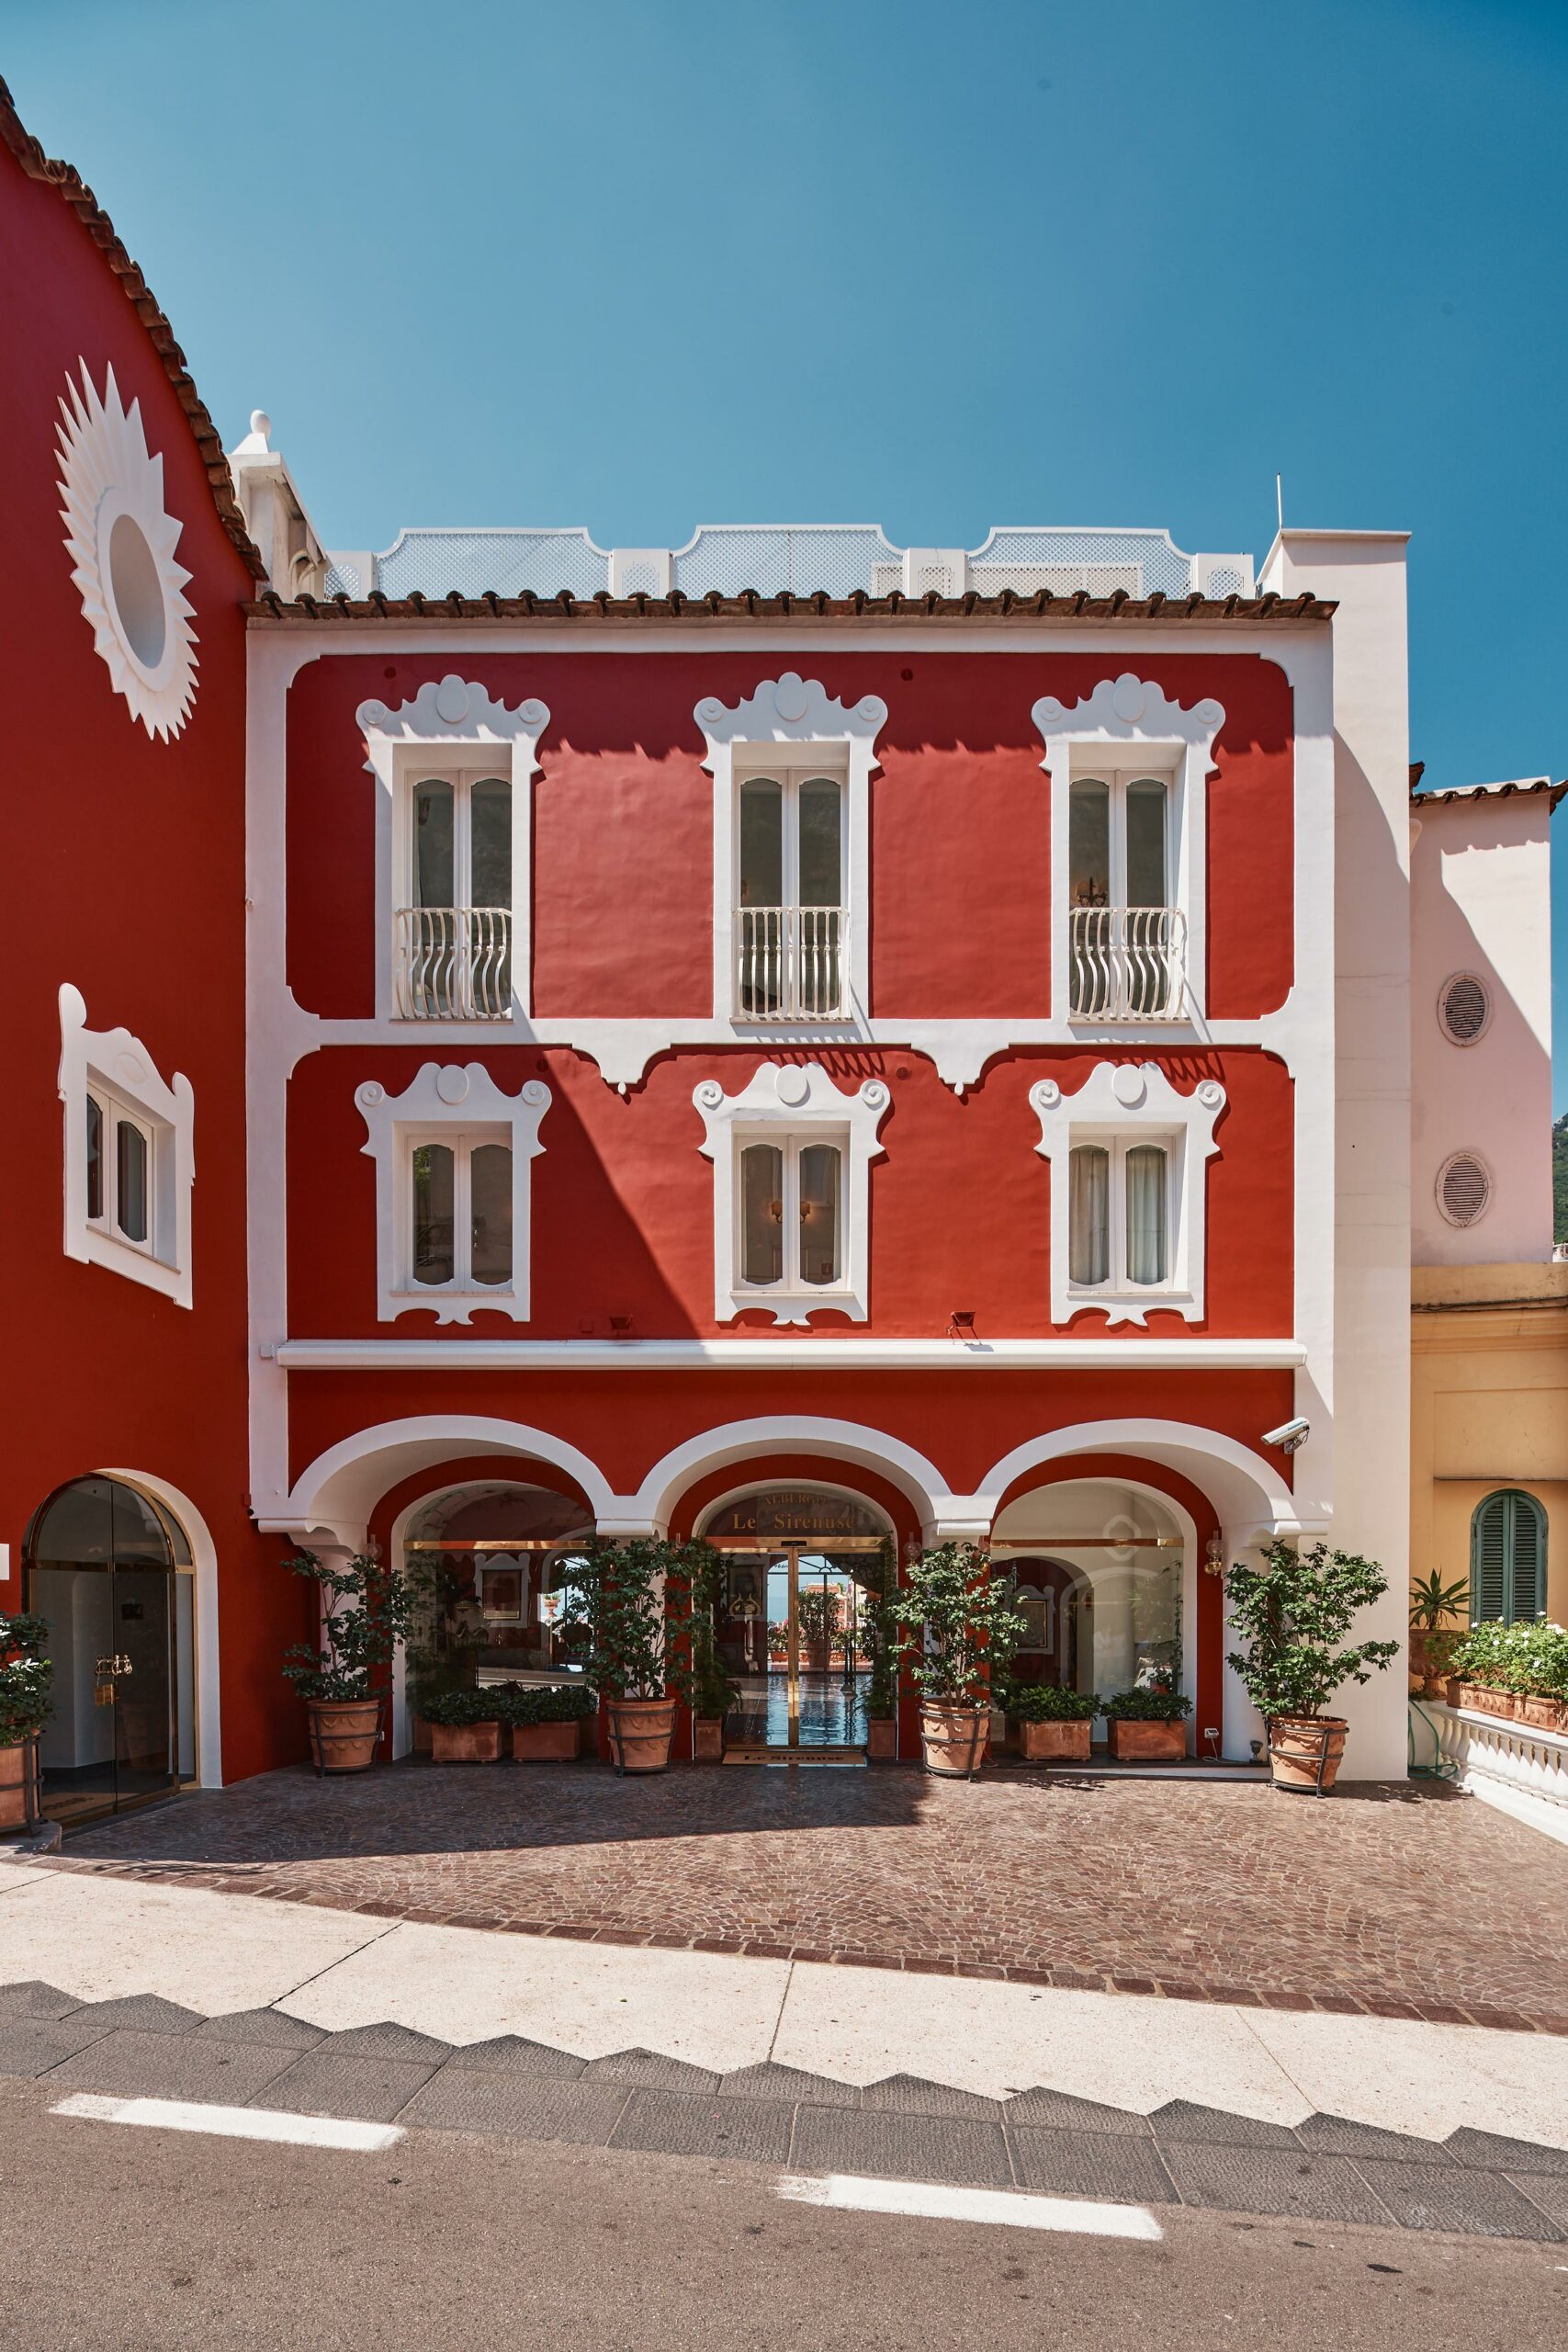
(1290, 1435)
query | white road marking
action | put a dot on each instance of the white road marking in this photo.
(233, 2122)
(849, 2193)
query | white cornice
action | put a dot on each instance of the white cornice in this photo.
(787, 1354)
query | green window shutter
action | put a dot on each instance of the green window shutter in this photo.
(1526, 1558)
(1489, 1560)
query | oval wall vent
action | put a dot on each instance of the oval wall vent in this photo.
(1464, 1188)
(1464, 1008)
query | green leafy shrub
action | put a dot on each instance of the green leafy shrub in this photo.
(1529, 1658)
(487, 1704)
(538, 1703)
(879, 1623)
(1293, 1613)
(1046, 1703)
(634, 1604)
(25, 1677)
(367, 1610)
(970, 1619)
(1155, 1706)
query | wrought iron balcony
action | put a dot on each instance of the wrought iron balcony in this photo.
(791, 963)
(1128, 964)
(453, 963)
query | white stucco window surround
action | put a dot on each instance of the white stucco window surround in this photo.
(824, 1141)
(460, 1109)
(1131, 965)
(121, 541)
(814, 963)
(1120, 1108)
(130, 1155)
(453, 731)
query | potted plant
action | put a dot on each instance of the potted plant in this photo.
(1054, 1724)
(1293, 1614)
(633, 1601)
(1148, 1726)
(969, 1627)
(1433, 1643)
(365, 1612)
(1518, 1672)
(466, 1725)
(819, 1624)
(545, 1721)
(26, 1705)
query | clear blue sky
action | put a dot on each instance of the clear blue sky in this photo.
(644, 264)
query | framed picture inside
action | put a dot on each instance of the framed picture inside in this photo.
(502, 1587)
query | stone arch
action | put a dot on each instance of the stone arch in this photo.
(340, 1489)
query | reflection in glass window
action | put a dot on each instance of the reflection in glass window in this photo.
(460, 1193)
(433, 1219)
(762, 1213)
(790, 1212)
(94, 1158)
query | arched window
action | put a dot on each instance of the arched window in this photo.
(1507, 1558)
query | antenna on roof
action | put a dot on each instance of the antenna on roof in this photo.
(1280, 498)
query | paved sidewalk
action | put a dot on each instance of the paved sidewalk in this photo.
(194, 1995)
(1384, 1900)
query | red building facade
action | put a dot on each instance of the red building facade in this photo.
(921, 1043)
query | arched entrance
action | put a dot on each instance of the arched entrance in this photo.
(801, 1563)
(110, 1571)
(485, 1557)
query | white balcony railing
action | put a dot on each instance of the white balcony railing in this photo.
(1128, 963)
(453, 963)
(791, 963)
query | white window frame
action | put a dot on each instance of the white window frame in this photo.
(445, 1103)
(118, 1070)
(1121, 1104)
(452, 729)
(789, 1104)
(757, 735)
(1129, 725)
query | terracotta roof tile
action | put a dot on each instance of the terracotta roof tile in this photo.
(750, 605)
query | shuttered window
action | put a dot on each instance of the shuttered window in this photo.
(1507, 1558)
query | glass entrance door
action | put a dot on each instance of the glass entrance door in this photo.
(101, 1568)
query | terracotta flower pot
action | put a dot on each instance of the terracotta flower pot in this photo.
(1543, 1714)
(640, 1734)
(1304, 1751)
(421, 1737)
(14, 1785)
(953, 1739)
(1487, 1702)
(1136, 1741)
(344, 1732)
(543, 1743)
(881, 1739)
(817, 1658)
(1056, 1743)
(465, 1743)
(708, 1739)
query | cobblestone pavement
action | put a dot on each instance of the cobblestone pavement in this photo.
(1404, 1900)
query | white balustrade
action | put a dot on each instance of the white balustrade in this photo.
(1128, 963)
(791, 963)
(453, 963)
(1521, 1769)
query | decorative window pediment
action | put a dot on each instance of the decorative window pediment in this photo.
(1128, 771)
(791, 865)
(453, 1159)
(454, 829)
(792, 1191)
(1128, 1154)
(130, 1155)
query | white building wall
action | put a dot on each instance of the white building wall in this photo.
(1369, 1395)
(1481, 904)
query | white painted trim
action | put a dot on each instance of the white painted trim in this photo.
(235, 2123)
(792, 1099)
(1120, 1102)
(457, 1097)
(1519, 1768)
(1007, 2208)
(121, 1064)
(206, 1662)
(734, 1442)
(449, 723)
(820, 1351)
(1244, 1487)
(1128, 715)
(342, 1487)
(792, 709)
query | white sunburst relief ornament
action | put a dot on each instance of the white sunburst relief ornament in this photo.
(121, 540)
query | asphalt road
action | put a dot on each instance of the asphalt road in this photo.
(156, 2240)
